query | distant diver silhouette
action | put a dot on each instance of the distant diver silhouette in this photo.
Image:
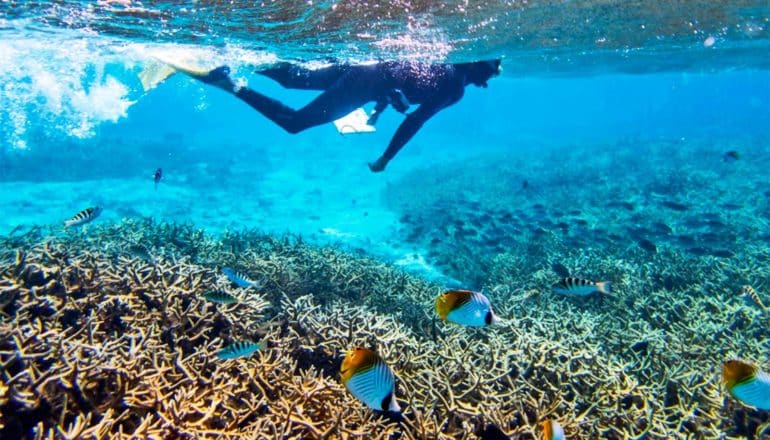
(347, 87)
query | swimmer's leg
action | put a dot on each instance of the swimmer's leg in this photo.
(344, 96)
(327, 107)
(292, 76)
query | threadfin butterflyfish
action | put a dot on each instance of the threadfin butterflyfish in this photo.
(747, 383)
(369, 379)
(465, 307)
(552, 430)
(580, 287)
(85, 216)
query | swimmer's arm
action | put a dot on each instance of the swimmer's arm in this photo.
(411, 125)
(378, 109)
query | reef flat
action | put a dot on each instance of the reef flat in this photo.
(105, 332)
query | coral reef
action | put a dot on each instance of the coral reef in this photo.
(104, 332)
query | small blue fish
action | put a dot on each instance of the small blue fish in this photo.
(238, 278)
(238, 349)
(220, 297)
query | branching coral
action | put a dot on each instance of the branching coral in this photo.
(97, 340)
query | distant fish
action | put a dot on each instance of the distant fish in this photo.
(579, 287)
(465, 307)
(85, 216)
(647, 245)
(238, 278)
(220, 297)
(369, 379)
(238, 349)
(157, 176)
(751, 297)
(731, 156)
(560, 269)
(552, 430)
(676, 206)
(662, 228)
(747, 383)
(524, 184)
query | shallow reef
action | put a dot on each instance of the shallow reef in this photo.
(104, 333)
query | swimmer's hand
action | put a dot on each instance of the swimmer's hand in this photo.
(378, 165)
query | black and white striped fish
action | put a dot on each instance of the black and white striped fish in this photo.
(751, 297)
(83, 217)
(580, 287)
(238, 349)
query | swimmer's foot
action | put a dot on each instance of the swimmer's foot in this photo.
(219, 77)
(378, 165)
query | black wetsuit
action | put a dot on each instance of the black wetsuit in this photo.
(348, 87)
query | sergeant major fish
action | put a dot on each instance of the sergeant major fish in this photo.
(751, 297)
(465, 307)
(85, 216)
(580, 287)
(238, 349)
(369, 379)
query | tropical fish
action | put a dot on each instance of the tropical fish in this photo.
(581, 287)
(560, 269)
(157, 176)
(552, 430)
(83, 217)
(238, 278)
(747, 383)
(465, 307)
(369, 379)
(220, 297)
(238, 349)
(647, 245)
(751, 296)
(731, 156)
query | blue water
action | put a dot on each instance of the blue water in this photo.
(618, 118)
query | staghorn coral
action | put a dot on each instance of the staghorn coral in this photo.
(97, 340)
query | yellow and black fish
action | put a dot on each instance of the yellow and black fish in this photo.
(465, 307)
(369, 379)
(580, 287)
(83, 217)
(747, 383)
(552, 430)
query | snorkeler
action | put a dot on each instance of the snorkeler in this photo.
(348, 87)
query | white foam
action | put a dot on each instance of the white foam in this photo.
(58, 86)
(61, 83)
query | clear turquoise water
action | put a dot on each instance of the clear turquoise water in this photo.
(648, 95)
